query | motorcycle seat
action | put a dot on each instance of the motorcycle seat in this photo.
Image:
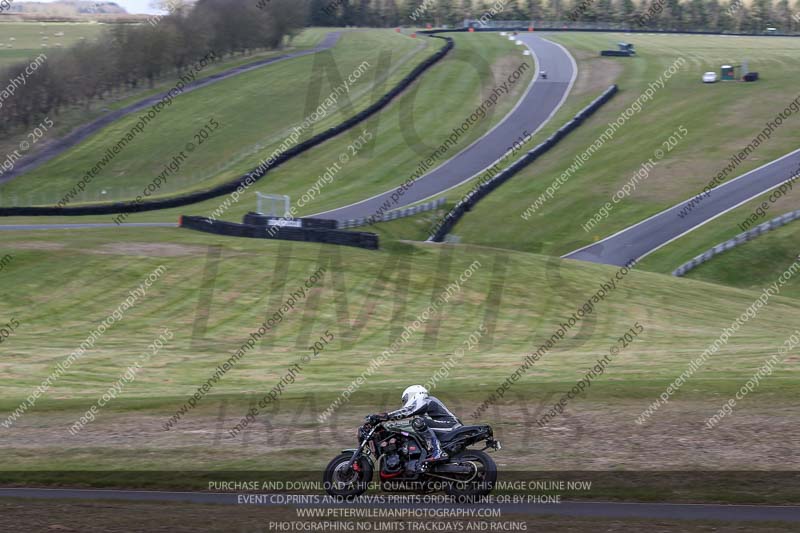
(448, 434)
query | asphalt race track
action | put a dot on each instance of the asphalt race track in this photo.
(647, 236)
(674, 511)
(542, 99)
(76, 136)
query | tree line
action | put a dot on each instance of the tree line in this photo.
(128, 56)
(733, 16)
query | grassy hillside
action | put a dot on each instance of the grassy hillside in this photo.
(59, 286)
(720, 120)
(756, 263)
(70, 118)
(242, 106)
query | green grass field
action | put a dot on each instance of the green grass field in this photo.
(21, 41)
(70, 118)
(756, 263)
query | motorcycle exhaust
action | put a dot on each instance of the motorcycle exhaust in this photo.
(454, 469)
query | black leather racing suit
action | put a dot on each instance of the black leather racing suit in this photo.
(433, 412)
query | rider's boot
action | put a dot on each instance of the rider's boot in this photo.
(435, 448)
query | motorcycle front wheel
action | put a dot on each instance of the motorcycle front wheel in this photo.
(341, 481)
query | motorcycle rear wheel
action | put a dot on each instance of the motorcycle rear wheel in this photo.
(481, 481)
(341, 483)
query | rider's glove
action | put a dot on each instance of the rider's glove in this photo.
(373, 419)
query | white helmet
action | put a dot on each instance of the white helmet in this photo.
(413, 393)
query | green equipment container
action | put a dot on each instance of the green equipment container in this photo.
(727, 73)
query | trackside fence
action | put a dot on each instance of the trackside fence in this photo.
(467, 203)
(742, 238)
(394, 215)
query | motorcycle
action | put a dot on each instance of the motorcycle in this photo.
(397, 450)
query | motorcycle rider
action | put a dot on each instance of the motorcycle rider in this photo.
(432, 414)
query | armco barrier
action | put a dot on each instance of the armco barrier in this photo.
(742, 238)
(359, 239)
(394, 215)
(258, 173)
(479, 193)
